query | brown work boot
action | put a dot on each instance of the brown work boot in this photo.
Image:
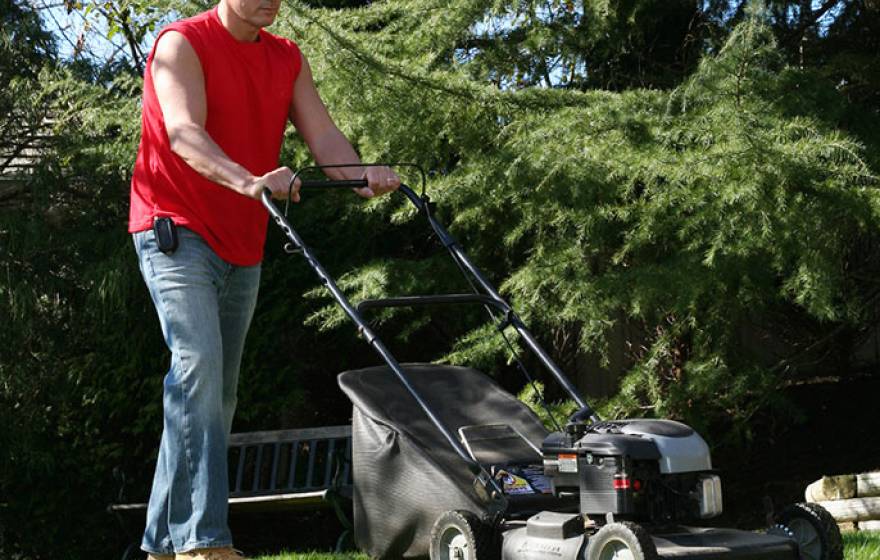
(224, 553)
(160, 557)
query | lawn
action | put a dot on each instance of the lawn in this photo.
(316, 556)
(858, 546)
(861, 546)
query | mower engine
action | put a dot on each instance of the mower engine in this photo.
(657, 471)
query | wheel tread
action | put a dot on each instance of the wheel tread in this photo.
(824, 523)
(484, 537)
(634, 535)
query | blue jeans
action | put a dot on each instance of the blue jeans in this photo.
(205, 306)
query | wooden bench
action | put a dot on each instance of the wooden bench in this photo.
(280, 470)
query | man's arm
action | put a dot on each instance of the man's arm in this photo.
(180, 89)
(327, 143)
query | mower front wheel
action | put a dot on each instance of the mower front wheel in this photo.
(460, 535)
(813, 529)
(621, 540)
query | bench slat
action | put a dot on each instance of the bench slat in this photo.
(276, 458)
(279, 502)
(258, 469)
(289, 499)
(328, 469)
(326, 432)
(126, 507)
(239, 472)
(313, 451)
(292, 497)
(294, 455)
(346, 467)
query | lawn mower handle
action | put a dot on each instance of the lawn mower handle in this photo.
(338, 184)
(424, 207)
(493, 492)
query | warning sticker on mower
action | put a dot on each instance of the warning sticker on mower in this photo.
(568, 463)
(522, 479)
(515, 484)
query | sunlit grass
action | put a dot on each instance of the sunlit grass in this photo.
(861, 546)
(316, 556)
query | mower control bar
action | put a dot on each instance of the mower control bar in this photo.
(411, 301)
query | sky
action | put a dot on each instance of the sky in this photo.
(73, 27)
(91, 31)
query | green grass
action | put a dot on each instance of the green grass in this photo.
(317, 556)
(857, 546)
(861, 546)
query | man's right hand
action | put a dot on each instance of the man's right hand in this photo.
(277, 181)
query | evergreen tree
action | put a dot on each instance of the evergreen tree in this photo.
(733, 201)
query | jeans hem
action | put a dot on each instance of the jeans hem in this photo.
(189, 547)
(157, 552)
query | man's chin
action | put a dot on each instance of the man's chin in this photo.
(264, 20)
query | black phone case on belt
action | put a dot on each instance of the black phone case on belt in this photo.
(166, 234)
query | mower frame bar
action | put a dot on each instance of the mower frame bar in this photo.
(511, 317)
(493, 491)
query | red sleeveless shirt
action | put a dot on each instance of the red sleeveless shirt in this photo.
(248, 87)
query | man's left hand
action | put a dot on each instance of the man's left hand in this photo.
(380, 180)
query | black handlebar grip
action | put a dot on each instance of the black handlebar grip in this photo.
(341, 184)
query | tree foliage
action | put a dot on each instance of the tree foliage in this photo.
(684, 169)
(734, 201)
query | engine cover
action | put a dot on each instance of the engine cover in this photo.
(641, 469)
(681, 448)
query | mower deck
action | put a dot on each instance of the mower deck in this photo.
(699, 543)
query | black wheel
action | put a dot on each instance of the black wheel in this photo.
(460, 535)
(813, 529)
(621, 540)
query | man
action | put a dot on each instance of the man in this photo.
(218, 92)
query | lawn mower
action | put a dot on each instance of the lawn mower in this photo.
(447, 464)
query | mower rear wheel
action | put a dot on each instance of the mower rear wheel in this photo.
(460, 535)
(814, 530)
(621, 540)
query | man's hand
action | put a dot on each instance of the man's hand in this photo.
(380, 180)
(277, 181)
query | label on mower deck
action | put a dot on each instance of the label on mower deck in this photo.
(568, 463)
(514, 484)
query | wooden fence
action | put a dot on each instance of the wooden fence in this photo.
(853, 500)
